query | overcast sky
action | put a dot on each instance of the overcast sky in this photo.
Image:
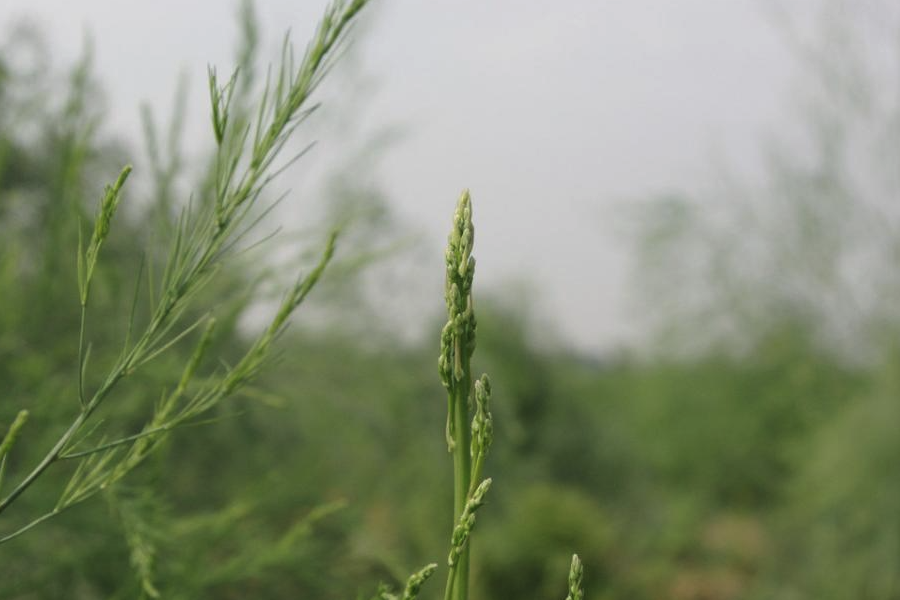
(555, 114)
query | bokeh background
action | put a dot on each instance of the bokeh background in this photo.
(687, 285)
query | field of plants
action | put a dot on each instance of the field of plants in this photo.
(170, 430)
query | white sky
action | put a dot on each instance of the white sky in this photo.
(555, 114)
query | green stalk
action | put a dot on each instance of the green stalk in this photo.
(454, 364)
(462, 470)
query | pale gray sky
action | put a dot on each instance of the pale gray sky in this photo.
(555, 114)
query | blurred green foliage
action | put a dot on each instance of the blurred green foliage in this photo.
(761, 469)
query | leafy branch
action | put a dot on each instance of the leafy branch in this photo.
(246, 153)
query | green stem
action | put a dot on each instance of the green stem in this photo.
(451, 578)
(477, 468)
(30, 526)
(48, 460)
(462, 471)
(81, 398)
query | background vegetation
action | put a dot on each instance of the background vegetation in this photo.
(750, 452)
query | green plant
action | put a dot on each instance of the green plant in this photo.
(205, 236)
(467, 441)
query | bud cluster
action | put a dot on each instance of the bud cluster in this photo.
(466, 522)
(458, 335)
